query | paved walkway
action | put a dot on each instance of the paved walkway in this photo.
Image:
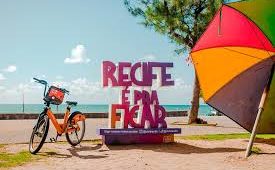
(19, 131)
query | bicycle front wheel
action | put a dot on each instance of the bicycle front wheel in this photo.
(39, 134)
(75, 129)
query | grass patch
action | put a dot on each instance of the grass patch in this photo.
(266, 136)
(224, 136)
(15, 159)
(93, 141)
(256, 150)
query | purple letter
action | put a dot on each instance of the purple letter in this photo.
(165, 76)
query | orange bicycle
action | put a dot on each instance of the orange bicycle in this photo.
(73, 124)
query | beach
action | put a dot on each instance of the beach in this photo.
(185, 154)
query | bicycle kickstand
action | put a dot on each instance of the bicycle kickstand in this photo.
(53, 140)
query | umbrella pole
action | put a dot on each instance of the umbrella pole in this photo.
(261, 105)
(253, 134)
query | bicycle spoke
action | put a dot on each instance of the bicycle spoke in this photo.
(77, 136)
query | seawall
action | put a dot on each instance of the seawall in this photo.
(20, 116)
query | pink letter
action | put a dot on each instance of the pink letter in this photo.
(147, 115)
(160, 119)
(124, 98)
(108, 70)
(146, 76)
(133, 75)
(145, 97)
(123, 79)
(129, 118)
(154, 97)
(137, 96)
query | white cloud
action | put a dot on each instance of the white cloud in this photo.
(2, 88)
(10, 69)
(78, 55)
(148, 57)
(82, 86)
(59, 77)
(85, 91)
(2, 77)
(180, 84)
(33, 93)
(79, 86)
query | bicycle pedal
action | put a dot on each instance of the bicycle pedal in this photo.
(53, 140)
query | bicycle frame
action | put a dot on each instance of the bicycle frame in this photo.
(60, 127)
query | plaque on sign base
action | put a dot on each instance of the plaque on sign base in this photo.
(138, 136)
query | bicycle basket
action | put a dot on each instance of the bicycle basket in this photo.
(54, 95)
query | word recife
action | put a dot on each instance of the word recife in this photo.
(146, 107)
(118, 77)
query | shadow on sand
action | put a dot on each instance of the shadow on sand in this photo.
(54, 154)
(75, 151)
(84, 152)
(178, 148)
(265, 141)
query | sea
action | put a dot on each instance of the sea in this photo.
(87, 108)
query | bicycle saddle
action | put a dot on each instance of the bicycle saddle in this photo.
(71, 103)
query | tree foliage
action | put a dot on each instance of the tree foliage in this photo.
(183, 21)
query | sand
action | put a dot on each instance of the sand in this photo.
(185, 154)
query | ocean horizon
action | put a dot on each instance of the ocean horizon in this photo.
(88, 108)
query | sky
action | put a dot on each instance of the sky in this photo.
(65, 42)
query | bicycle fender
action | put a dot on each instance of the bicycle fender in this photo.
(40, 116)
(75, 113)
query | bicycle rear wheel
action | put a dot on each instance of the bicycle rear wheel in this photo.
(39, 134)
(76, 129)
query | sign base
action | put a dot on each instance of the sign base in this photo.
(138, 136)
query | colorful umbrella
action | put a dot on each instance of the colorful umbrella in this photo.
(234, 61)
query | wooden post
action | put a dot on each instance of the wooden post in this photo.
(253, 134)
(261, 105)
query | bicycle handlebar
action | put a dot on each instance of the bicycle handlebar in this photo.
(40, 81)
(65, 91)
(45, 83)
